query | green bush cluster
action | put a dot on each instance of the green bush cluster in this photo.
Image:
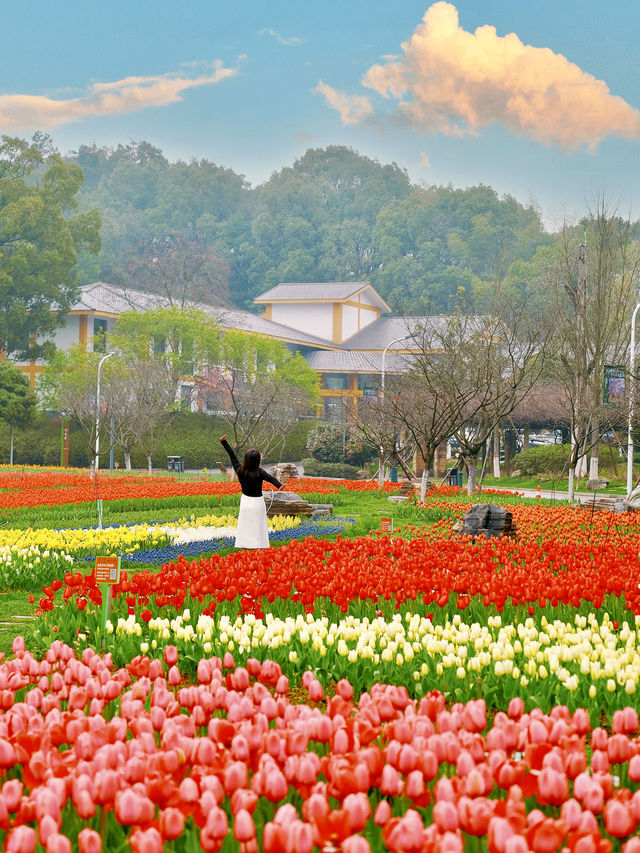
(192, 435)
(548, 459)
(332, 442)
(313, 468)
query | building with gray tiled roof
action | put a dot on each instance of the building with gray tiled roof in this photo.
(341, 328)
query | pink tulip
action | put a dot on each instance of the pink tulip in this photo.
(316, 693)
(632, 846)
(358, 808)
(170, 655)
(57, 843)
(625, 721)
(89, 841)
(407, 833)
(499, 831)
(12, 793)
(382, 813)
(618, 749)
(355, 844)
(171, 823)
(21, 839)
(217, 823)
(618, 820)
(516, 708)
(599, 738)
(553, 787)
(146, 841)
(174, 676)
(344, 690)
(243, 826)
(445, 816)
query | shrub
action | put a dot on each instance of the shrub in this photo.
(330, 442)
(548, 459)
(313, 468)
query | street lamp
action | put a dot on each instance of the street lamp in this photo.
(632, 390)
(96, 458)
(384, 356)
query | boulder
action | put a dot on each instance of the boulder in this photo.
(286, 503)
(285, 471)
(486, 520)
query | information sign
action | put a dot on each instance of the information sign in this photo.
(108, 570)
(386, 524)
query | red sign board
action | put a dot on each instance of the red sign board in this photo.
(386, 524)
(107, 569)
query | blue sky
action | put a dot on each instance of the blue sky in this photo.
(546, 106)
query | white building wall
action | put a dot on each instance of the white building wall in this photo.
(312, 318)
(350, 321)
(367, 316)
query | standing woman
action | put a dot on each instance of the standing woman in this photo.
(252, 529)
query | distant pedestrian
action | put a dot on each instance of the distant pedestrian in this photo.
(252, 531)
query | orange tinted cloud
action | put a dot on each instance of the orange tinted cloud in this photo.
(25, 112)
(352, 108)
(455, 82)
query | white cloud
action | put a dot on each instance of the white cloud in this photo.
(280, 39)
(352, 108)
(425, 163)
(455, 82)
(25, 112)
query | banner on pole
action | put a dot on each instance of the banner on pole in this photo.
(615, 387)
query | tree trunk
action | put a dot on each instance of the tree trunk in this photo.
(380, 467)
(496, 453)
(127, 460)
(11, 444)
(472, 461)
(572, 483)
(149, 466)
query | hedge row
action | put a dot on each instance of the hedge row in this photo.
(192, 435)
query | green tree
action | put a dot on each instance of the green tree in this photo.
(18, 401)
(40, 237)
(260, 389)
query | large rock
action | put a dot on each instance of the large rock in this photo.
(286, 503)
(285, 471)
(486, 520)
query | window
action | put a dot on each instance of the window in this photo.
(336, 381)
(99, 335)
(368, 382)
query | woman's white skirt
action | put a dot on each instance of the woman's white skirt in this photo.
(252, 531)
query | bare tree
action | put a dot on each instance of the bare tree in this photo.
(180, 271)
(593, 285)
(469, 373)
(142, 399)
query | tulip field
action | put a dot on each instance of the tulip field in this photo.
(345, 689)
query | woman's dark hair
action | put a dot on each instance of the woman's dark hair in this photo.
(249, 471)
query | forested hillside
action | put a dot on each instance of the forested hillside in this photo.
(198, 230)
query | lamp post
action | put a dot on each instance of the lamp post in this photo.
(96, 457)
(632, 390)
(384, 357)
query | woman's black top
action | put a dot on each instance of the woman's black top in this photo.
(254, 488)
